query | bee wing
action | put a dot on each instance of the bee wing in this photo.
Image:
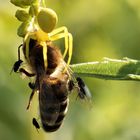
(83, 91)
(87, 92)
(87, 95)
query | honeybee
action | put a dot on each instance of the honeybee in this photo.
(52, 75)
(53, 85)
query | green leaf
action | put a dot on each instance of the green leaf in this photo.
(110, 69)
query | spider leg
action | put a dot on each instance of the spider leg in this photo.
(62, 32)
(44, 45)
(70, 48)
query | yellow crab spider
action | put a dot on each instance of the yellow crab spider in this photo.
(46, 32)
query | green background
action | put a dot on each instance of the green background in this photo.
(100, 28)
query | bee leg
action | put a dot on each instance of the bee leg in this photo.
(35, 123)
(31, 85)
(30, 99)
(26, 72)
(17, 64)
(34, 87)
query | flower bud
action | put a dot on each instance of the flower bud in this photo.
(22, 15)
(28, 2)
(18, 3)
(23, 3)
(23, 29)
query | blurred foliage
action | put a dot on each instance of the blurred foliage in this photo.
(101, 28)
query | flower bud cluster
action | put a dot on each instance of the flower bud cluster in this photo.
(33, 17)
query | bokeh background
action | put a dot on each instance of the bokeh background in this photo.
(101, 28)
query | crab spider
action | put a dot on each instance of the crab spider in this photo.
(47, 20)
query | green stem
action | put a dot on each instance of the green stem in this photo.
(43, 3)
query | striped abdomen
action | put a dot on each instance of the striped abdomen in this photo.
(53, 102)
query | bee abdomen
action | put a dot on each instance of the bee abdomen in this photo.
(49, 128)
(54, 115)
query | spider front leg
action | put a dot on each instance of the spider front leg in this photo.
(62, 32)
